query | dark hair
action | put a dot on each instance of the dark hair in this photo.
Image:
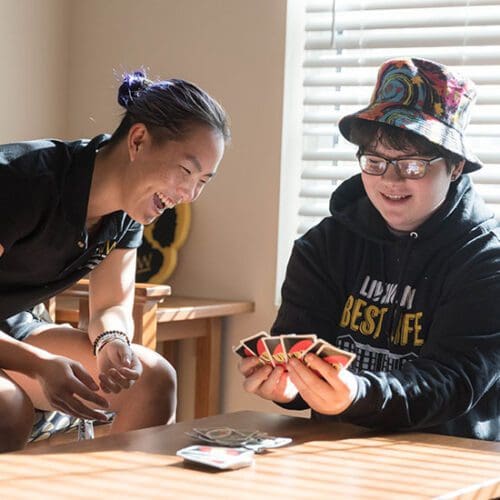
(365, 133)
(169, 109)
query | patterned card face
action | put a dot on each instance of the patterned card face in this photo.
(254, 343)
(296, 345)
(336, 357)
(243, 351)
(277, 350)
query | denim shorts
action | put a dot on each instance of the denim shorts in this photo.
(23, 324)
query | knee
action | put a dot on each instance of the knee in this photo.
(159, 375)
(159, 384)
(17, 419)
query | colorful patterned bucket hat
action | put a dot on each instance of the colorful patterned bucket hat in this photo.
(423, 97)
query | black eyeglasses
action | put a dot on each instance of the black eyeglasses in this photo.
(407, 168)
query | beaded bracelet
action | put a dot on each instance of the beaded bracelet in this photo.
(106, 337)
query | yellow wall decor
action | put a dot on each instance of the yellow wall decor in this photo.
(157, 256)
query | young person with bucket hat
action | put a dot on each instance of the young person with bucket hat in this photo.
(405, 273)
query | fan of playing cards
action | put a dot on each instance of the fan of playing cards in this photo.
(278, 349)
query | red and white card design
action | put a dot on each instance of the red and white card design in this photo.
(277, 350)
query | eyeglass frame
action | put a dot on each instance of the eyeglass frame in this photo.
(394, 163)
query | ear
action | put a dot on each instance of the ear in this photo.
(136, 139)
(457, 170)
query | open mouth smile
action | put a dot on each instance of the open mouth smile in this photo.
(395, 197)
(162, 202)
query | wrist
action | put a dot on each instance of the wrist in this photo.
(38, 362)
(109, 336)
(103, 347)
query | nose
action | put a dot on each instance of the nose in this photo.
(188, 192)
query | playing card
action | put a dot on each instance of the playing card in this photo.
(261, 444)
(296, 344)
(275, 350)
(254, 343)
(220, 457)
(243, 351)
(225, 436)
(315, 347)
(336, 357)
(243, 438)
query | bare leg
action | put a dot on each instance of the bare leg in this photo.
(150, 401)
(17, 415)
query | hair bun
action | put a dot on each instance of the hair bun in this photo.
(131, 85)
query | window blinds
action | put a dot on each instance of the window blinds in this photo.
(346, 41)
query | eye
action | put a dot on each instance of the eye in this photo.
(204, 180)
(186, 170)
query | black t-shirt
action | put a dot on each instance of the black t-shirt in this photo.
(44, 192)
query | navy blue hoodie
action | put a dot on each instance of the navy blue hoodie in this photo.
(420, 311)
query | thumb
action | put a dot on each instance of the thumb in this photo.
(124, 356)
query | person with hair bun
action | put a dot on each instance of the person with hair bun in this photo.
(75, 208)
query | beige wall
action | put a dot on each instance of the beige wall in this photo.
(232, 48)
(34, 68)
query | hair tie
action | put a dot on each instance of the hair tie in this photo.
(132, 84)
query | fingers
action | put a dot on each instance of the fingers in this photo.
(115, 380)
(120, 356)
(309, 384)
(84, 376)
(271, 383)
(269, 389)
(129, 374)
(73, 406)
(325, 388)
(108, 385)
(329, 372)
(256, 377)
(135, 365)
(125, 355)
(278, 387)
(119, 367)
(247, 366)
(82, 382)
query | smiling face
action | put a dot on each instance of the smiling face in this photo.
(161, 176)
(405, 204)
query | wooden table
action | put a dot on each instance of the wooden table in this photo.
(323, 461)
(161, 318)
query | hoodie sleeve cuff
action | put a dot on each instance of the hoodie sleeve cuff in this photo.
(296, 404)
(361, 404)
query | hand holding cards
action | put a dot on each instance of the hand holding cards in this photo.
(277, 350)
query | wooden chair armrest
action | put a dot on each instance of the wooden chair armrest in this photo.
(143, 291)
(72, 306)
